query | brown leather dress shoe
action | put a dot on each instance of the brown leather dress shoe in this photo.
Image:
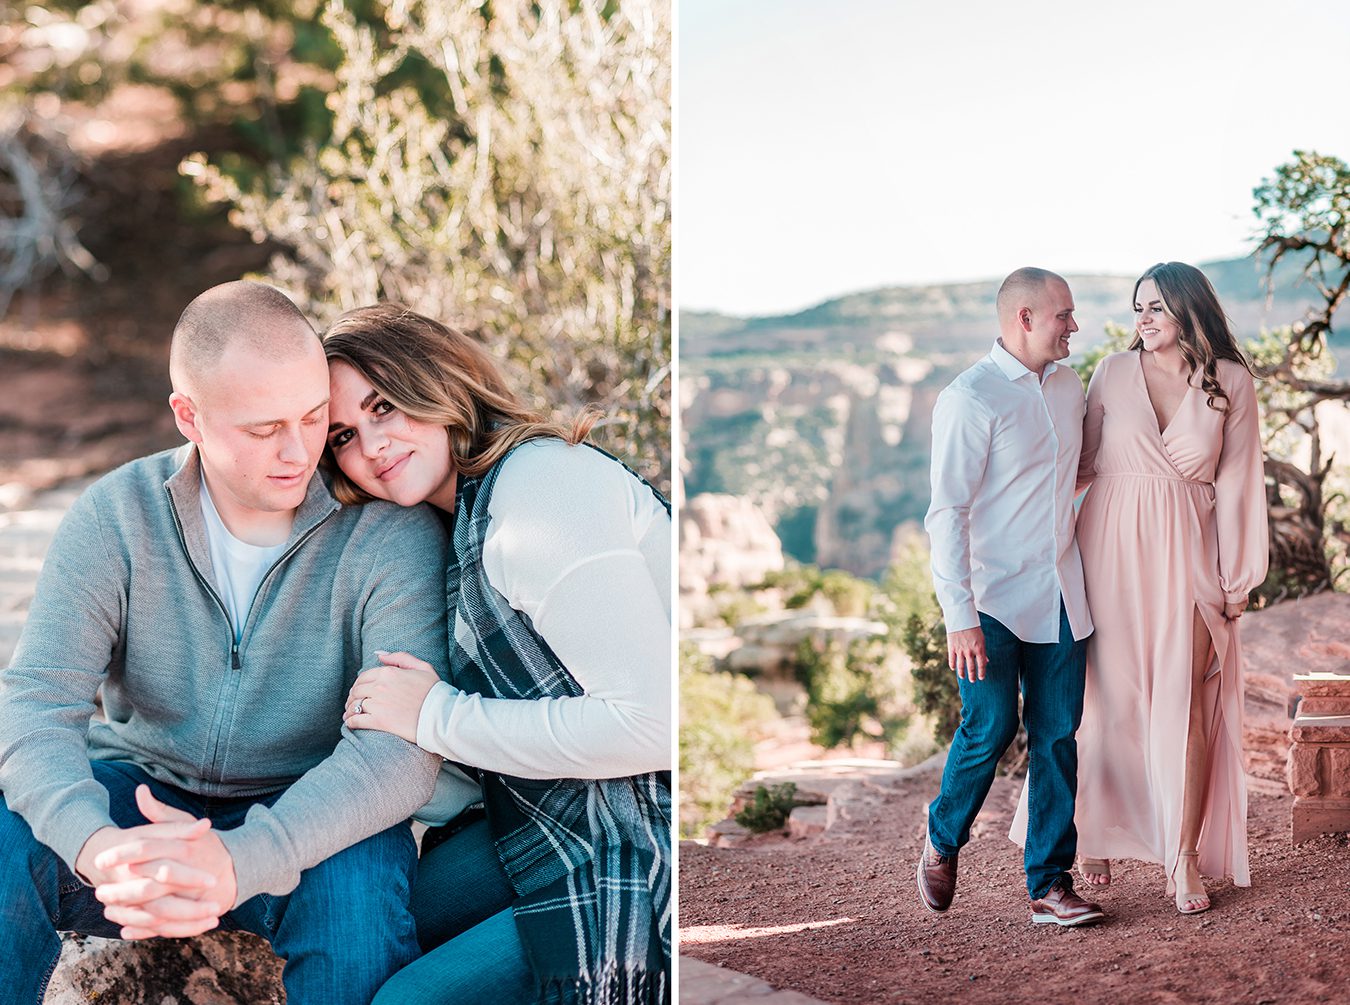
(1061, 906)
(937, 879)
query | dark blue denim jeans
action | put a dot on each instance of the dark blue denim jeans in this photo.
(462, 902)
(342, 931)
(1051, 677)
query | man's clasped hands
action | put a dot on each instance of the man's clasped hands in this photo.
(172, 877)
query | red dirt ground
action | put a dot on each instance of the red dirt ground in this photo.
(839, 918)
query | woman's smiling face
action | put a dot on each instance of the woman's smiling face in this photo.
(384, 452)
(1151, 320)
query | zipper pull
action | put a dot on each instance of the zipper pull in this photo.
(234, 656)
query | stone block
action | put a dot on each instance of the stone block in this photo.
(727, 834)
(1312, 728)
(1319, 755)
(1312, 817)
(1305, 776)
(1336, 777)
(808, 821)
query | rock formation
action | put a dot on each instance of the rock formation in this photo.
(725, 540)
(219, 968)
(880, 484)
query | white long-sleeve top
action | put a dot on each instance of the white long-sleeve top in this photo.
(1001, 520)
(582, 548)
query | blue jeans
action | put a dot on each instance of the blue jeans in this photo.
(1051, 676)
(462, 902)
(342, 931)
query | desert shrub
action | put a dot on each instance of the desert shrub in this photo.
(768, 808)
(914, 626)
(848, 595)
(907, 585)
(1309, 495)
(804, 584)
(721, 714)
(934, 682)
(918, 743)
(39, 196)
(504, 167)
(735, 607)
(851, 691)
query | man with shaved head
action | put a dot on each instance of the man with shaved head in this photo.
(223, 602)
(1006, 439)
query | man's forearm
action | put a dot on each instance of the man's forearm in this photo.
(372, 781)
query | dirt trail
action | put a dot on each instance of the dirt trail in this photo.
(84, 364)
(839, 918)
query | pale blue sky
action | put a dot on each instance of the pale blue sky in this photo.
(824, 148)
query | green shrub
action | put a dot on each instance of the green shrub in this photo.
(934, 682)
(914, 623)
(735, 607)
(721, 715)
(936, 693)
(768, 808)
(851, 695)
(850, 596)
(1118, 337)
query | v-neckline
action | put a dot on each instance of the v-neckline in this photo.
(1162, 432)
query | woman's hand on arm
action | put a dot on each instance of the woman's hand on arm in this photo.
(390, 697)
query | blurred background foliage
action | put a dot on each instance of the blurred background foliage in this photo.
(887, 690)
(721, 717)
(504, 166)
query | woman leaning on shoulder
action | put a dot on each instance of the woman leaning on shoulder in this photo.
(554, 709)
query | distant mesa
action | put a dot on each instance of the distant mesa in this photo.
(822, 418)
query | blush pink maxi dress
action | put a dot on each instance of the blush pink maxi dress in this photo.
(1173, 522)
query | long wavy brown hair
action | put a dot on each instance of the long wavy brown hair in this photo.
(1206, 333)
(435, 373)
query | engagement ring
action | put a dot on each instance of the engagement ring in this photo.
(360, 706)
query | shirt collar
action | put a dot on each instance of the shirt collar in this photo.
(1012, 367)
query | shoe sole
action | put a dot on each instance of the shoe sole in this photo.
(1054, 919)
(918, 881)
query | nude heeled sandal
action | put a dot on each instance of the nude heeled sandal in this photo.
(1096, 872)
(1184, 897)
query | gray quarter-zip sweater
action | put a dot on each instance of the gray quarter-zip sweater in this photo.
(125, 600)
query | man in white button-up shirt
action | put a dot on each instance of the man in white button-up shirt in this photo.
(1006, 438)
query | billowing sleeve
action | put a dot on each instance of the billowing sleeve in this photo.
(567, 544)
(1092, 427)
(962, 433)
(1240, 495)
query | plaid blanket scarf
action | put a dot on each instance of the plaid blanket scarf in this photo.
(589, 859)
